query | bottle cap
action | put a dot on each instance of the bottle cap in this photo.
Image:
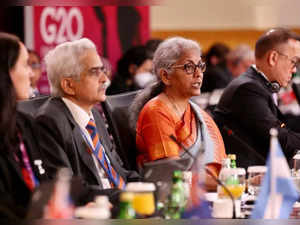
(126, 197)
(232, 156)
(177, 174)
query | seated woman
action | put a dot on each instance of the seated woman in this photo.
(165, 109)
(20, 161)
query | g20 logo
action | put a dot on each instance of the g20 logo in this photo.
(61, 29)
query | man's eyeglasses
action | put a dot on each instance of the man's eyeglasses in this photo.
(190, 68)
(294, 62)
(97, 71)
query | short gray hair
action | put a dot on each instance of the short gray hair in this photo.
(240, 53)
(64, 61)
(170, 50)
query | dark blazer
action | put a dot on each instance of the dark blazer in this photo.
(15, 195)
(62, 144)
(248, 105)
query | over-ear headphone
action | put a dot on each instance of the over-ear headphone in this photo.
(274, 86)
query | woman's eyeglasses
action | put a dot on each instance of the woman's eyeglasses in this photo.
(190, 68)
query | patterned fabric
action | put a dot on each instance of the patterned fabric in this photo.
(115, 179)
(157, 122)
(23, 159)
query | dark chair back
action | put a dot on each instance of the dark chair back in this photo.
(238, 142)
(31, 106)
(116, 111)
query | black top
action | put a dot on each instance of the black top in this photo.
(15, 195)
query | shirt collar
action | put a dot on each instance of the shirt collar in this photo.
(80, 116)
(260, 72)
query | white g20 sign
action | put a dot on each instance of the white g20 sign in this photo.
(62, 31)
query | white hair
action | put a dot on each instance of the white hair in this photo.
(64, 61)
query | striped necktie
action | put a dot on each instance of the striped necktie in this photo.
(115, 179)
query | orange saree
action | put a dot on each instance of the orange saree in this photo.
(157, 122)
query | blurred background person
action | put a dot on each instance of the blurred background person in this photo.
(216, 75)
(239, 60)
(152, 45)
(164, 109)
(34, 62)
(19, 173)
(134, 62)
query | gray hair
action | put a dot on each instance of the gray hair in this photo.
(167, 54)
(240, 53)
(64, 61)
(170, 50)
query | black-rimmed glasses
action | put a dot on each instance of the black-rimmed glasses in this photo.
(294, 62)
(190, 67)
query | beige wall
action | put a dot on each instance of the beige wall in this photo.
(224, 14)
(230, 21)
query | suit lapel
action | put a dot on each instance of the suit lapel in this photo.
(31, 148)
(81, 145)
(108, 147)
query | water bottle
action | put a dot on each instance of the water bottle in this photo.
(177, 199)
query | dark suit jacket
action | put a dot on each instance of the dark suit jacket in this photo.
(248, 105)
(62, 144)
(15, 195)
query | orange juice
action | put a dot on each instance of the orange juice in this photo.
(236, 191)
(143, 203)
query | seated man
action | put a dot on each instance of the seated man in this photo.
(248, 101)
(72, 133)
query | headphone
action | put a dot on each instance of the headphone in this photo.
(274, 86)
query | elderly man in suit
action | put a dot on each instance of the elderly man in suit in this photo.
(72, 132)
(249, 103)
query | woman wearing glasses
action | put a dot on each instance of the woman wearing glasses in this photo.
(168, 122)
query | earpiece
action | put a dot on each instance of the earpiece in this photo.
(274, 86)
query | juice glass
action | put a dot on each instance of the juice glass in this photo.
(234, 180)
(143, 199)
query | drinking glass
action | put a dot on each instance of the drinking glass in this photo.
(255, 178)
(234, 180)
(143, 199)
(296, 170)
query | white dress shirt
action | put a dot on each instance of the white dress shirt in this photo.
(82, 118)
(274, 95)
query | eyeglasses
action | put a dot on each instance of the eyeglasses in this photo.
(35, 65)
(294, 62)
(190, 68)
(97, 71)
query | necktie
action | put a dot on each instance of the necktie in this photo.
(115, 179)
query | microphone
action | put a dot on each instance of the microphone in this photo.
(210, 173)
